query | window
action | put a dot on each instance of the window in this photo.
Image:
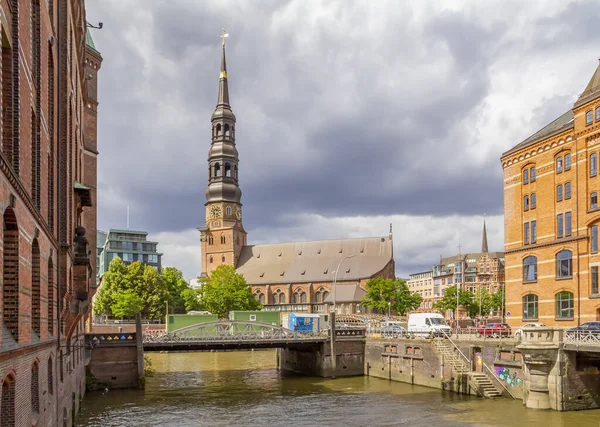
(594, 200)
(526, 203)
(597, 113)
(564, 305)
(127, 257)
(567, 223)
(594, 279)
(530, 307)
(559, 163)
(526, 233)
(533, 231)
(564, 264)
(211, 241)
(567, 190)
(222, 258)
(532, 174)
(589, 116)
(153, 258)
(594, 239)
(35, 388)
(222, 239)
(559, 193)
(567, 161)
(593, 164)
(530, 269)
(36, 292)
(533, 200)
(10, 288)
(210, 260)
(228, 210)
(526, 176)
(50, 297)
(7, 409)
(559, 225)
(50, 376)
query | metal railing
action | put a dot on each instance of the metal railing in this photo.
(583, 338)
(228, 331)
(119, 338)
(485, 366)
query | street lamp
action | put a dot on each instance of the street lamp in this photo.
(332, 319)
(389, 309)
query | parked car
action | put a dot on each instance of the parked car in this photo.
(519, 332)
(494, 329)
(394, 331)
(592, 328)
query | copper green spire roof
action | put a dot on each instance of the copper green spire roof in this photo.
(223, 87)
(592, 90)
(88, 39)
(484, 242)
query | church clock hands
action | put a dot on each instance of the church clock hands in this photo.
(215, 211)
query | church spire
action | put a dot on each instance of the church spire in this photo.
(223, 99)
(484, 243)
(592, 90)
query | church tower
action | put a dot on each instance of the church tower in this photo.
(223, 236)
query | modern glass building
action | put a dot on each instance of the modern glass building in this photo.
(129, 245)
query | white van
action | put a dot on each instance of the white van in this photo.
(429, 324)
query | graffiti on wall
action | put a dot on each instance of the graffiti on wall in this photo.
(511, 379)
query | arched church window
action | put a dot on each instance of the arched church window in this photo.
(222, 239)
(227, 169)
(217, 169)
(218, 129)
(228, 210)
(261, 299)
(226, 130)
(211, 240)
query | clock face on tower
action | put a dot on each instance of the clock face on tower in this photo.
(215, 211)
(238, 213)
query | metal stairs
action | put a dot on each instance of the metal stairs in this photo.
(479, 381)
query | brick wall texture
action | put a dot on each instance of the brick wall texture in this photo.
(44, 135)
(564, 222)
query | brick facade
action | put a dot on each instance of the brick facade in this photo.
(44, 91)
(548, 216)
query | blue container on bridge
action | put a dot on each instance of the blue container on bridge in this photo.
(304, 323)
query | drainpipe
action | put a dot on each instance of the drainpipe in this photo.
(577, 234)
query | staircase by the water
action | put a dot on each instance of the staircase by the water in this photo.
(479, 381)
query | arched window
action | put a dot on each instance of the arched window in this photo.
(211, 241)
(227, 170)
(222, 239)
(210, 260)
(564, 305)
(222, 259)
(50, 376)
(36, 297)
(564, 264)
(303, 297)
(593, 164)
(218, 129)
(559, 164)
(589, 116)
(7, 406)
(261, 299)
(530, 307)
(530, 269)
(597, 114)
(318, 297)
(217, 169)
(10, 285)
(594, 239)
(282, 298)
(228, 210)
(235, 172)
(61, 364)
(297, 297)
(35, 388)
(226, 130)
(50, 297)
(325, 295)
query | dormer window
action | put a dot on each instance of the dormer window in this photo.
(282, 273)
(348, 271)
(303, 272)
(319, 251)
(341, 250)
(279, 254)
(300, 252)
(262, 274)
(589, 116)
(325, 272)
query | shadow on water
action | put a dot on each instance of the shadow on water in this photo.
(246, 389)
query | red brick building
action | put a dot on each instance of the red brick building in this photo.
(286, 277)
(47, 201)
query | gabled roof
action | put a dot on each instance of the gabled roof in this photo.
(346, 293)
(314, 261)
(592, 90)
(562, 123)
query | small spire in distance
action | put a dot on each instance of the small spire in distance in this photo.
(484, 242)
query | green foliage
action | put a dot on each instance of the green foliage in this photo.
(448, 301)
(191, 298)
(149, 370)
(224, 291)
(126, 304)
(381, 292)
(153, 289)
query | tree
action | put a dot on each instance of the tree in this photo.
(224, 291)
(448, 301)
(126, 304)
(175, 285)
(191, 298)
(384, 293)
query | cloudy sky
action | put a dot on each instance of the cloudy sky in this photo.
(350, 114)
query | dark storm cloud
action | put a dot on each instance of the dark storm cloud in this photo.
(344, 108)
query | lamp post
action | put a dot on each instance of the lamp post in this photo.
(332, 318)
(389, 309)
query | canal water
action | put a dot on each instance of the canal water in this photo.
(246, 389)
